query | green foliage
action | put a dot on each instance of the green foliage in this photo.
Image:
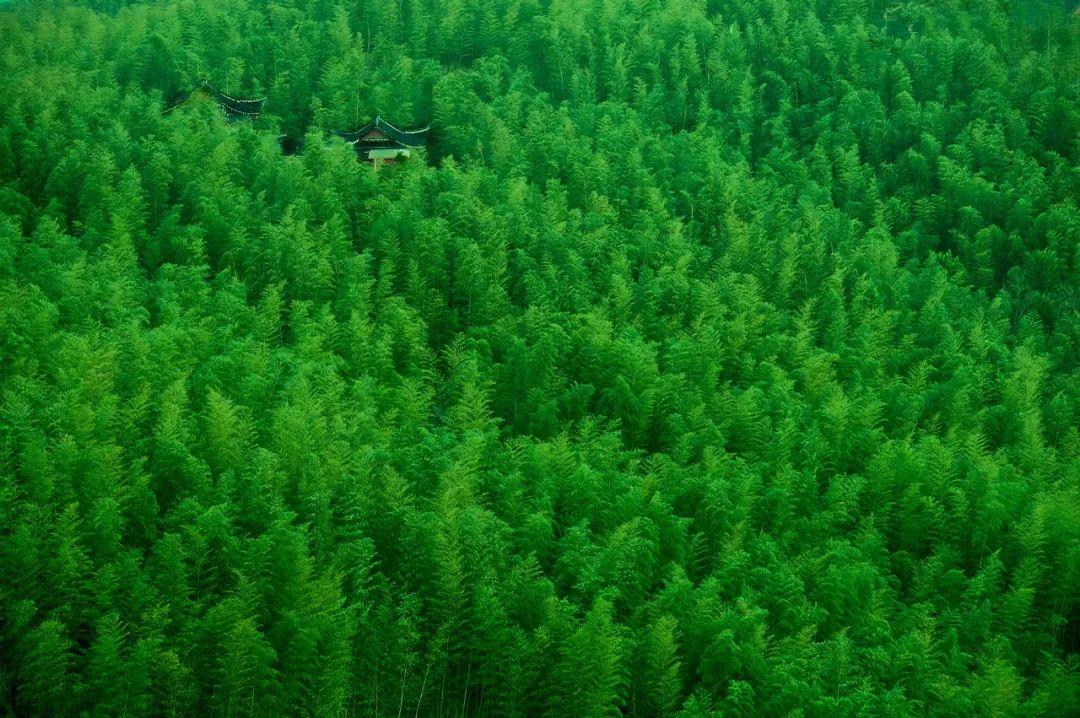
(715, 358)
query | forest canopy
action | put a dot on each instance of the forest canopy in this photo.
(715, 358)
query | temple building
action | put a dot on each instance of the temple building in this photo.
(232, 107)
(236, 109)
(380, 143)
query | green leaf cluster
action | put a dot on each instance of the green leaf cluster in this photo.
(715, 359)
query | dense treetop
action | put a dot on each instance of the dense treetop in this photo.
(718, 358)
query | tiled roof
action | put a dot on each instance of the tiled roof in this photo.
(391, 134)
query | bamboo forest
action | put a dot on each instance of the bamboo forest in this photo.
(555, 358)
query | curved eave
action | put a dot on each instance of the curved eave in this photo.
(407, 138)
(410, 138)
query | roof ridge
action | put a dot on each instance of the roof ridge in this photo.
(395, 128)
(229, 97)
(374, 123)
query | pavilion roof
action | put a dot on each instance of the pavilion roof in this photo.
(407, 138)
(233, 107)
